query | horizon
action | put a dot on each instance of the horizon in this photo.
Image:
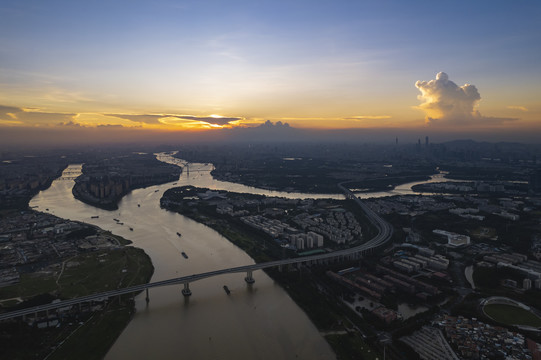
(202, 71)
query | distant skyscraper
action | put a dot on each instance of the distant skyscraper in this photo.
(396, 141)
(426, 141)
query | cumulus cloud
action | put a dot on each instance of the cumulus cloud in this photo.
(70, 124)
(444, 102)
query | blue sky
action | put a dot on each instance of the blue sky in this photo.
(313, 63)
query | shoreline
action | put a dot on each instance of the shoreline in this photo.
(308, 300)
(90, 271)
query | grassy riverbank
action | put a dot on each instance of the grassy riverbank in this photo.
(85, 336)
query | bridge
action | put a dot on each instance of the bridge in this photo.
(385, 231)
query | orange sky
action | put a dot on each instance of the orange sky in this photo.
(325, 65)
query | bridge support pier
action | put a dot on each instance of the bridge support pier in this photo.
(249, 278)
(147, 298)
(186, 291)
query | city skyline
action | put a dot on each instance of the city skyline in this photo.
(130, 70)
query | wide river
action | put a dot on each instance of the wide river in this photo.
(253, 322)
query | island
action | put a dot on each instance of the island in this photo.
(104, 182)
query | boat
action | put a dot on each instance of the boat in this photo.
(179, 234)
(227, 291)
(95, 217)
(184, 254)
(120, 223)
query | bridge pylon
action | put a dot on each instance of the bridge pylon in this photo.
(249, 278)
(186, 291)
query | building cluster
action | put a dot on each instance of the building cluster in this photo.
(408, 205)
(468, 213)
(21, 184)
(467, 187)
(22, 178)
(424, 259)
(417, 205)
(519, 263)
(337, 225)
(35, 239)
(105, 181)
(408, 284)
(277, 229)
(384, 281)
(474, 339)
(302, 224)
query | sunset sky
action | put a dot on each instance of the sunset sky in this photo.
(185, 65)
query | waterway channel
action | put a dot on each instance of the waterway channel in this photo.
(252, 322)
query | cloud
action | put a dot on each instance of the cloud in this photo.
(70, 124)
(147, 119)
(170, 118)
(368, 117)
(277, 125)
(7, 111)
(217, 120)
(444, 102)
(11, 114)
(516, 107)
(110, 126)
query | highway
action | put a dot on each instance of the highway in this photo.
(385, 232)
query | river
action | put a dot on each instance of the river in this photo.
(253, 322)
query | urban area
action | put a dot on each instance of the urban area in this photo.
(460, 277)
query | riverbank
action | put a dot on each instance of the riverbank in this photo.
(323, 308)
(103, 183)
(109, 264)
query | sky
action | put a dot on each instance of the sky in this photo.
(164, 66)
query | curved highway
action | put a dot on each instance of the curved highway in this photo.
(385, 231)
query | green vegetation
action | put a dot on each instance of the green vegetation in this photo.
(511, 315)
(85, 274)
(88, 337)
(78, 276)
(99, 334)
